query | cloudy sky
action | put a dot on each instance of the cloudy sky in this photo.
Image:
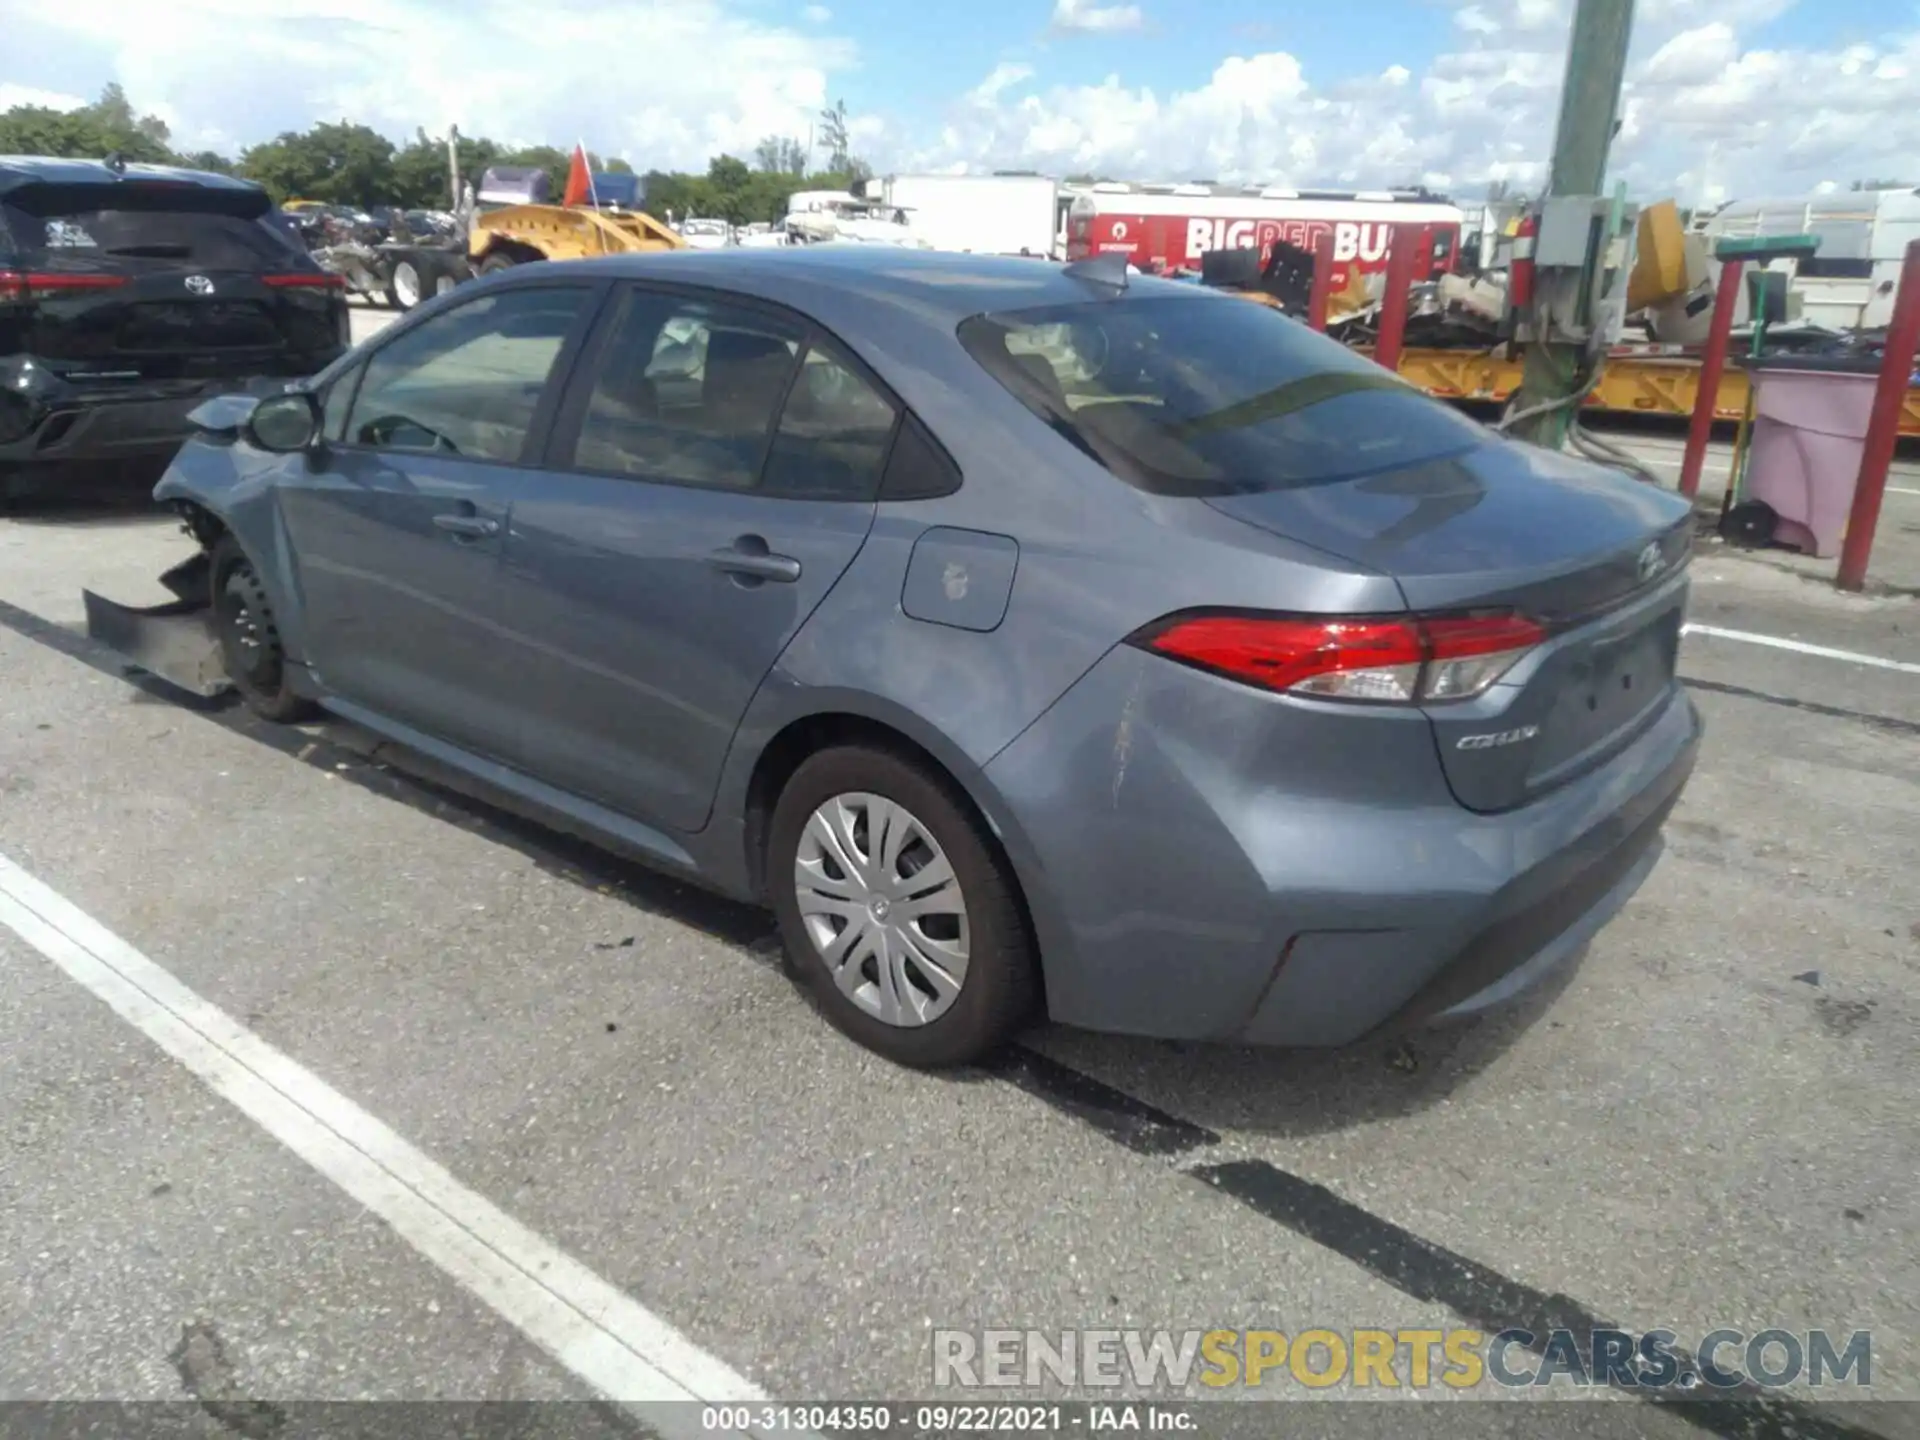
(1726, 97)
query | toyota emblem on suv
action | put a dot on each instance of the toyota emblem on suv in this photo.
(199, 285)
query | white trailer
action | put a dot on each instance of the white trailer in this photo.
(984, 214)
(1850, 280)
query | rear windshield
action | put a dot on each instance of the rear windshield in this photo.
(1211, 395)
(53, 226)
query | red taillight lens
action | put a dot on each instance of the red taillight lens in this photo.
(36, 284)
(305, 282)
(1383, 659)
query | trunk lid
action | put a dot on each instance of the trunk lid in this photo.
(177, 282)
(1597, 559)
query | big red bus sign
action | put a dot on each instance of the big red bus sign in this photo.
(1169, 227)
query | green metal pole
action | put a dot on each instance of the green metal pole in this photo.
(1589, 109)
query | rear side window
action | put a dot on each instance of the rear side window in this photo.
(469, 380)
(833, 434)
(49, 228)
(1211, 395)
(686, 391)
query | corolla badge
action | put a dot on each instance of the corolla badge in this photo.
(1495, 739)
(1651, 563)
(199, 285)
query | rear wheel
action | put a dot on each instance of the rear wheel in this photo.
(896, 909)
(250, 639)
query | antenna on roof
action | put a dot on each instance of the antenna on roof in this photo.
(116, 162)
(1107, 271)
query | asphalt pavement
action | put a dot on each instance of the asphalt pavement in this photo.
(1708, 1125)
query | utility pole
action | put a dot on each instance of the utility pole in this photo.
(453, 164)
(1589, 116)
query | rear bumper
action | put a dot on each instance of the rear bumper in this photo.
(46, 420)
(1523, 932)
(1186, 886)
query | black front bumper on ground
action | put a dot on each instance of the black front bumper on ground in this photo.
(173, 641)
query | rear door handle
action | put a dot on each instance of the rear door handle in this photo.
(476, 527)
(748, 556)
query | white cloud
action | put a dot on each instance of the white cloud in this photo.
(1709, 110)
(1706, 112)
(1086, 16)
(1002, 78)
(12, 95)
(667, 82)
(1693, 57)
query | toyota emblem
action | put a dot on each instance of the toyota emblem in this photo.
(1651, 563)
(199, 285)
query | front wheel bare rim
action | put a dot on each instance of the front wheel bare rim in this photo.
(883, 908)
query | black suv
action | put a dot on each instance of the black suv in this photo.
(129, 294)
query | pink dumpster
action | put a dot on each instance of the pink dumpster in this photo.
(1809, 429)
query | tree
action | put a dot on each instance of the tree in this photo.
(340, 162)
(780, 155)
(420, 179)
(91, 132)
(834, 138)
(208, 160)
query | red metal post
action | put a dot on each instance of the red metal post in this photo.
(1883, 430)
(1322, 281)
(1399, 287)
(1713, 364)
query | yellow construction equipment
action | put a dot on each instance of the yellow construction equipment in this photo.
(519, 234)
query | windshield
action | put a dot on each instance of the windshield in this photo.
(1209, 395)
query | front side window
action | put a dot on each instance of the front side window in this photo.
(1211, 395)
(468, 381)
(686, 391)
(334, 402)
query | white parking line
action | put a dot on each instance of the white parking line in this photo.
(598, 1332)
(1801, 647)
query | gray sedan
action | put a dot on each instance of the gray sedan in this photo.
(1030, 639)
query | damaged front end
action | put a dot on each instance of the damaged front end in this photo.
(173, 641)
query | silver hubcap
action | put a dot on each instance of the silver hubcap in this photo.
(883, 908)
(406, 284)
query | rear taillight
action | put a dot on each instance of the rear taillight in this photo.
(305, 282)
(39, 285)
(1382, 659)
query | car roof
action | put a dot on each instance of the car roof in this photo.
(940, 287)
(21, 170)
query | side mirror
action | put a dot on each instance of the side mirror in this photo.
(284, 424)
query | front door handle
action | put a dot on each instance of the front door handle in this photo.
(749, 558)
(473, 527)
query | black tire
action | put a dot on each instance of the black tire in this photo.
(997, 993)
(249, 638)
